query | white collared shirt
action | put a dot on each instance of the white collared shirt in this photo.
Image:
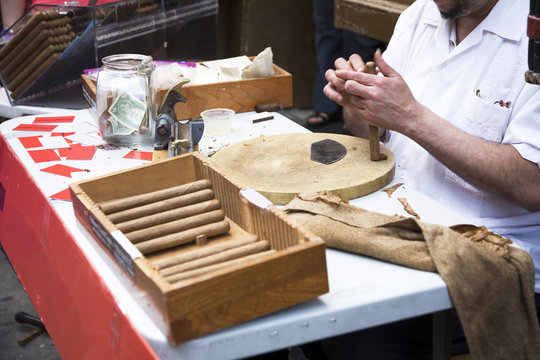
(463, 84)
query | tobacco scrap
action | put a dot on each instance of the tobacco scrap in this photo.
(390, 190)
(482, 236)
(408, 207)
(324, 196)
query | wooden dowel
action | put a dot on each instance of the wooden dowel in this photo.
(176, 226)
(208, 269)
(116, 205)
(207, 250)
(231, 254)
(163, 205)
(374, 149)
(169, 215)
(183, 237)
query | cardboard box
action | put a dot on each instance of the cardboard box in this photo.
(293, 271)
(372, 18)
(240, 96)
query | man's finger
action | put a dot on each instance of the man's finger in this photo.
(342, 64)
(333, 94)
(356, 62)
(383, 66)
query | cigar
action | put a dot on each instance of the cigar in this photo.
(117, 205)
(175, 226)
(182, 237)
(43, 37)
(166, 216)
(26, 62)
(20, 35)
(374, 149)
(51, 49)
(208, 269)
(231, 254)
(53, 26)
(23, 76)
(208, 250)
(163, 205)
(275, 106)
(46, 63)
(42, 26)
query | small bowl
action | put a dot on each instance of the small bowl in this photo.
(217, 121)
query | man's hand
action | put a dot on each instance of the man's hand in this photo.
(384, 101)
(335, 89)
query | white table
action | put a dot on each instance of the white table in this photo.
(364, 292)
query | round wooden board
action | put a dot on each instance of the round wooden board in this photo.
(279, 166)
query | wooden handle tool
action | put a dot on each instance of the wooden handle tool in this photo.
(374, 150)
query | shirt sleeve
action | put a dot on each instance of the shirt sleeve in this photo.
(523, 131)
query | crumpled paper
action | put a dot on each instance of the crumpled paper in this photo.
(261, 66)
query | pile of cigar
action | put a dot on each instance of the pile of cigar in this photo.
(33, 49)
(185, 214)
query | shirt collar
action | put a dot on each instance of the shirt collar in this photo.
(513, 10)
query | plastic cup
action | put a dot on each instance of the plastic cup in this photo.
(217, 121)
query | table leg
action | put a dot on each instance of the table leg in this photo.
(442, 335)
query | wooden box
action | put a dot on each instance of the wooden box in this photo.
(372, 18)
(240, 96)
(293, 270)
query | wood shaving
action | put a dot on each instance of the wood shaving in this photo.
(390, 190)
(324, 196)
(408, 208)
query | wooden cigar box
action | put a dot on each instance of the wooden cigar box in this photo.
(240, 96)
(292, 269)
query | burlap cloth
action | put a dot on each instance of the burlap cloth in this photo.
(490, 283)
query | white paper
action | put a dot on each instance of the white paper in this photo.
(53, 142)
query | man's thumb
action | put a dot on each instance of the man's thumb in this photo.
(383, 66)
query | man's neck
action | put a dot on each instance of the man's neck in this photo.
(466, 24)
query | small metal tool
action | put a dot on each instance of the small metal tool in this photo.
(172, 136)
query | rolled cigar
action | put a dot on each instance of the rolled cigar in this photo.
(231, 254)
(33, 45)
(163, 205)
(117, 205)
(166, 216)
(21, 34)
(34, 64)
(26, 62)
(46, 63)
(22, 44)
(208, 269)
(54, 26)
(183, 237)
(176, 226)
(54, 48)
(208, 250)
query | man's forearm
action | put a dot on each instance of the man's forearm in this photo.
(498, 168)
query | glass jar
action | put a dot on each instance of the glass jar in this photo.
(124, 100)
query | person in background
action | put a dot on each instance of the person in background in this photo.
(463, 124)
(331, 43)
(11, 10)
